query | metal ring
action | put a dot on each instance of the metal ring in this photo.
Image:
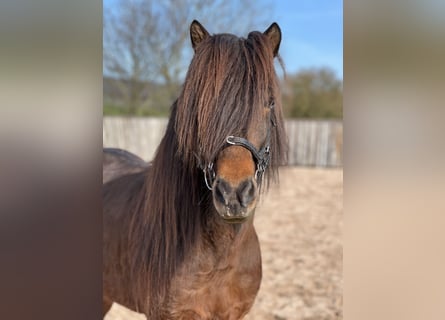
(229, 140)
(209, 170)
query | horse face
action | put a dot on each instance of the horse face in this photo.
(239, 169)
(235, 174)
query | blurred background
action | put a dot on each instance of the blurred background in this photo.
(146, 51)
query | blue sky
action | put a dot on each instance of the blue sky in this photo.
(312, 33)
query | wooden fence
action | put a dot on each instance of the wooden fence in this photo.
(316, 143)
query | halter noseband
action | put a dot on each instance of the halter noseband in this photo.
(261, 157)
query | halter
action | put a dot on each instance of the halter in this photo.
(261, 157)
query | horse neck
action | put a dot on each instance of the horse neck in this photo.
(176, 196)
(168, 223)
(222, 237)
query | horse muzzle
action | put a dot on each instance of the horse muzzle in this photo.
(235, 203)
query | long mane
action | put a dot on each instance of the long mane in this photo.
(228, 82)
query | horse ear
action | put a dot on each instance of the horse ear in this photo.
(197, 33)
(274, 35)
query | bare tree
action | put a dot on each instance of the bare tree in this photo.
(147, 41)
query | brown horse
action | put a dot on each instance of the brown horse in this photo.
(173, 249)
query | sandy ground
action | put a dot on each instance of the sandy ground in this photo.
(299, 225)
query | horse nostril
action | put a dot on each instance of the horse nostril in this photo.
(246, 193)
(222, 191)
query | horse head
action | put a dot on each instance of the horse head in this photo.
(231, 98)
